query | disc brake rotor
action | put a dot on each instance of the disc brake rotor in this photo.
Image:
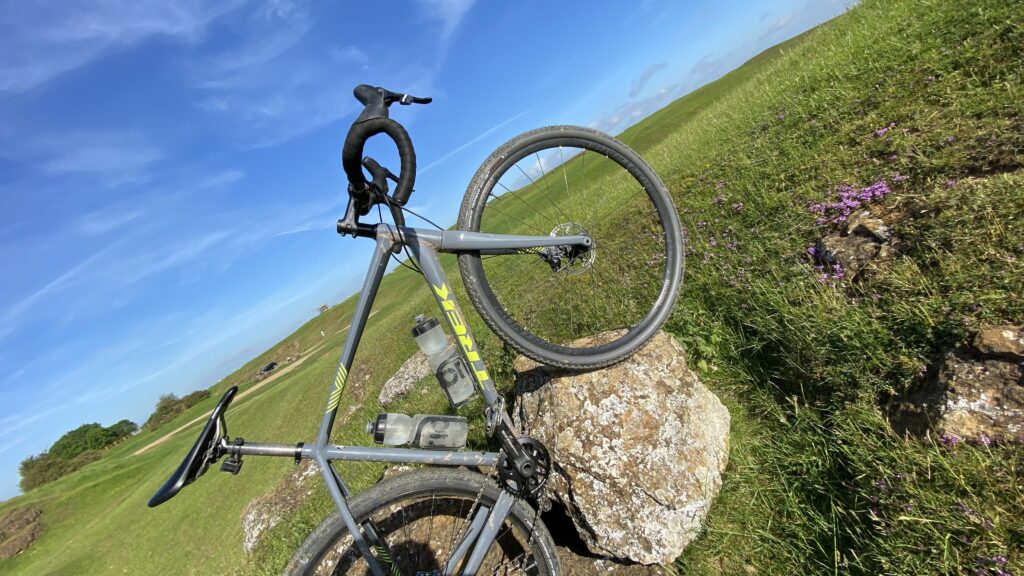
(569, 259)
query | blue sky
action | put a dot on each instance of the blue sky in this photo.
(170, 170)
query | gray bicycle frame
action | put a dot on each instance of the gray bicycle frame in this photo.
(424, 244)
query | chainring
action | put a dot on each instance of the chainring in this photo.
(510, 478)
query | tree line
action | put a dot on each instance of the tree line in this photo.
(86, 443)
(71, 451)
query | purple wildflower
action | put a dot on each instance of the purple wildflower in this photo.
(922, 369)
(931, 78)
(999, 560)
(719, 199)
(950, 183)
(881, 485)
(848, 199)
(949, 140)
(712, 242)
(949, 439)
(812, 251)
(738, 206)
(702, 224)
(829, 275)
(984, 440)
(884, 130)
(781, 116)
(964, 508)
(893, 157)
(908, 507)
(732, 245)
(720, 184)
(897, 177)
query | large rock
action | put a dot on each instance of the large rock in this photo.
(863, 240)
(574, 564)
(1004, 342)
(977, 392)
(265, 512)
(19, 528)
(411, 371)
(639, 448)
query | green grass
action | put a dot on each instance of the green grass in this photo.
(818, 483)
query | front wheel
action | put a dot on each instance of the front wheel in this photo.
(549, 304)
(421, 516)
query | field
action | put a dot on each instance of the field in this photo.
(925, 96)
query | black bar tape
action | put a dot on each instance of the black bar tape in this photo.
(352, 154)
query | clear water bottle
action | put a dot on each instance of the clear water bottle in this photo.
(422, 431)
(445, 362)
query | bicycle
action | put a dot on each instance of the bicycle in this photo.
(524, 270)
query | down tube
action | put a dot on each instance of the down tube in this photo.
(445, 297)
(373, 276)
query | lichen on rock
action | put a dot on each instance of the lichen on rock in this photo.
(977, 392)
(639, 448)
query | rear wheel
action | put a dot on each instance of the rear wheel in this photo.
(547, 304)
(421, 516)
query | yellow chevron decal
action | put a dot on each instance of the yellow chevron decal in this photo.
(339, 386)
(383, 552)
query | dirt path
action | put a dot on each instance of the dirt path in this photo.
(246, 392)
(261, 384)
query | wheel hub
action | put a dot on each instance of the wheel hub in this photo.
(569, 259)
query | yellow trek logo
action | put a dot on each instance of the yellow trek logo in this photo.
(455, 319)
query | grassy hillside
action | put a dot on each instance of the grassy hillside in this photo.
(924, 96)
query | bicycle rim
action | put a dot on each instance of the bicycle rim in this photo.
(572, 181)
(421, 524)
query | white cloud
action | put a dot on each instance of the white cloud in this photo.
(13, 442)
(350, 55)
(710, 66)
(271, 85)
(103, 276)
(267, 34)
(10, 316)
(629, 113)
(107, 219)
(473, 141)
(645, 76)
(100, 157)
(777, 25)
(41, 40)
(222, 179)
(449, 12)
(105, 159)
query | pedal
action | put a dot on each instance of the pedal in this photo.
(233, 465)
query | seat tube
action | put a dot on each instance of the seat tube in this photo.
(445, 297)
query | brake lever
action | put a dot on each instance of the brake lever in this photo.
(378, 175)
(407, 99)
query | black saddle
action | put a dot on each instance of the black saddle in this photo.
(204, 452)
